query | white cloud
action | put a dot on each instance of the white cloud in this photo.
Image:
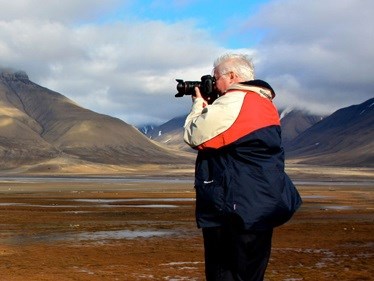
(115, 69)
(315, 54)
(122, 69)
(323, 47)
(67, 11)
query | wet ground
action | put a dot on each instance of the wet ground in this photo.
(145, 230)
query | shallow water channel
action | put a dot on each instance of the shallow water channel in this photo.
(88, 207)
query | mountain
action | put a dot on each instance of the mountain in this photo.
(343, 138)
(37, 124)
(145, 129)
(170, 133)
(296, 121)
(346, 137)
(293, 121)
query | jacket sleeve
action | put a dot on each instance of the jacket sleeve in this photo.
(207, 121)
(228, 119)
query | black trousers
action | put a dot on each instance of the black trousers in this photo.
(232, 254)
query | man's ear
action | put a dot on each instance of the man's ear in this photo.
(233, 76)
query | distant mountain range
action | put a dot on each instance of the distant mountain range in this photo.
(169, 133)
(294, 122)
(37, 124)
(345, 138)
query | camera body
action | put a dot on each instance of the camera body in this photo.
(206, 87)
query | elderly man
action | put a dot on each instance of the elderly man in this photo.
(242, 190)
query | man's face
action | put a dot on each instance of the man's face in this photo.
(223, 81)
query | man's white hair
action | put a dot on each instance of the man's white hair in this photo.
(240, 64)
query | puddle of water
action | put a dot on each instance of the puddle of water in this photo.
(134, 200)
(95, 236)
(133, 206)
(336, 207)
(147, 206)
(84, 270)
(182, 263)
(316, 197)
(108, 203)
(180, 278)
(368, 183)
(79, 212)
(100, 205)
(120, 234)
(11, 204)
(37, 205)
(93, 179)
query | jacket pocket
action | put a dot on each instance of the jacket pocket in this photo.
(209, 196)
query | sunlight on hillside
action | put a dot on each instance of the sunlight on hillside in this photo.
(6, 121)
(11, 112)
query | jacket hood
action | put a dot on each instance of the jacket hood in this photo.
(259, 86)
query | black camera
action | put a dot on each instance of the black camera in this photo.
(206, 87)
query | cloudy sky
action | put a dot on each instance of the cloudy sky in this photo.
(121, 57)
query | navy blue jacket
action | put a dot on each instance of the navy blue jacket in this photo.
(240, 164)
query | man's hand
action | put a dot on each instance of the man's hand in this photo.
(197, 94)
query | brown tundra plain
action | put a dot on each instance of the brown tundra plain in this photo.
(128, 228)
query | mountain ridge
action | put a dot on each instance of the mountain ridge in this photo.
(346, 137)
(37, 124)
(42, 128)
(301, 130)
(293, 123)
